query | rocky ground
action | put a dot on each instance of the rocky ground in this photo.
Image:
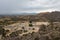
(48, 32)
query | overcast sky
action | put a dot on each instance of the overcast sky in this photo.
(18, 6)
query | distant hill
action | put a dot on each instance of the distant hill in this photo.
(43, 16)
(55, 15)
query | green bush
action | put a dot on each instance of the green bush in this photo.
(30, 25)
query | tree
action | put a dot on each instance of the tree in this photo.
(33, 29)
(30, 23)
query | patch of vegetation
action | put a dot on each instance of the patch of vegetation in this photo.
(30, 25)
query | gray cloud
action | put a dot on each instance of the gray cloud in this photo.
(12, 6)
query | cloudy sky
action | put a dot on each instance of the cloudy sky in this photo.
(19, 6)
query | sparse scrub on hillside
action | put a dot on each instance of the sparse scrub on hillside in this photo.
(44, 33)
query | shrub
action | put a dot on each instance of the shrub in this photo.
(30, 25)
